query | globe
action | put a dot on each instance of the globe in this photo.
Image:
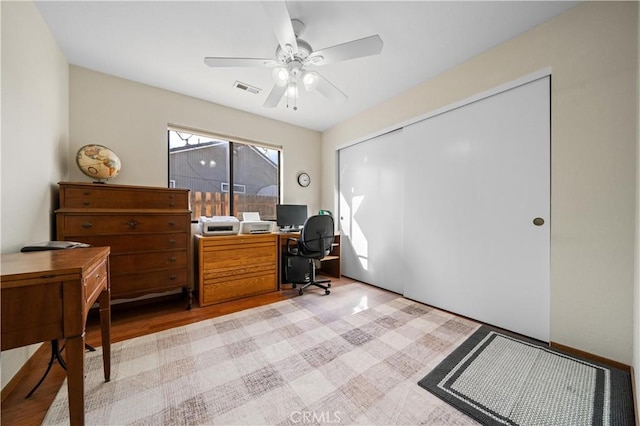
(98, 162)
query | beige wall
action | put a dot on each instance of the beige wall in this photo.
(132, 118)
(34, 146)
(592, 51)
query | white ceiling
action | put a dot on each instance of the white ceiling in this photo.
(163, 43)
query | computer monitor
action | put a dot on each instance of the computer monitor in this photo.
(291, 216)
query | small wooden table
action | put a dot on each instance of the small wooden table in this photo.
(46, 295)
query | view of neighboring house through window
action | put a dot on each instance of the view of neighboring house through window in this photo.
(225, 177)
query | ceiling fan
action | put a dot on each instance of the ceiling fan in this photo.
(295, 58)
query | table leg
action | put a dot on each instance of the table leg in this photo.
(74, 349)
(105, 331)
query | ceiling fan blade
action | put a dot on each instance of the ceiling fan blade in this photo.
(281, 24)
(329, 91)
(367, 46)
(218, 62)
(274, 96)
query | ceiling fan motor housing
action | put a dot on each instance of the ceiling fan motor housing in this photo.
(304, 50)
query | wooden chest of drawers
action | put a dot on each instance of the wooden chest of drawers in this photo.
(235, 266)
(147, 228)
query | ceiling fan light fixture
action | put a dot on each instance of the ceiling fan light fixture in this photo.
(280, 76)
(292, 90)
(310, 80)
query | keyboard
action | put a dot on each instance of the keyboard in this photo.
(290, 229)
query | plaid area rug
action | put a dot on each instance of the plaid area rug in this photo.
(309, 359)
(502, 380)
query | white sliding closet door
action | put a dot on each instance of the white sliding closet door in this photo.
(476, 178)
(371, 211)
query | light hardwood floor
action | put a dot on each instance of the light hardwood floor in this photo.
(136, 320)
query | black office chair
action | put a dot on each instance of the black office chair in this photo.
(315, 242)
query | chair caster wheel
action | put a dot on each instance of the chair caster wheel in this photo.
(328, 285)
(294, 286)
(327, 292)
(300, 292)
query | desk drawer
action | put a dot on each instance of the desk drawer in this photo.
(133, 262)
(247, 285)
(77, 225)
(95, 281)
(239, 256)
(210, 276)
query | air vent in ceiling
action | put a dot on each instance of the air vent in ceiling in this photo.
(246, 87)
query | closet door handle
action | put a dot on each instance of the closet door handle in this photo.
(538, 221)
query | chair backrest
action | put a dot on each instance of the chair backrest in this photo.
(317, 235)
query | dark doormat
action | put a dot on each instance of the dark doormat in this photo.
(500, 379)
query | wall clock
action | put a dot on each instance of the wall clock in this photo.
(303, 179)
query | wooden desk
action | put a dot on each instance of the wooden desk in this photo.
(46, 295)
(330, 264)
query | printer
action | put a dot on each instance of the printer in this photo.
(218, 225)
(251, 224)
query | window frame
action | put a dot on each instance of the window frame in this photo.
(230, 161)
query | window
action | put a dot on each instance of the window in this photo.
(225, 177)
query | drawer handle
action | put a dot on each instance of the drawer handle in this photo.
(133, 223)
(85, 193)
(171, 196)
(173, 277)
(47, 276)
(87, 225)
(172, 223)
(172, 242)
(85, 203)
(98, 277)
(172, 259)
(172, 204)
